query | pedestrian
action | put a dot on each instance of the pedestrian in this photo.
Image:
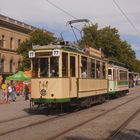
(26, 92)
(9, 90)
(13, 93)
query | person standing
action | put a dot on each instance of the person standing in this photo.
(9, 90)
(26, 92)
(84, 74)
(4, 88)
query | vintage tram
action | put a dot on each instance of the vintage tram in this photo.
(67, 75)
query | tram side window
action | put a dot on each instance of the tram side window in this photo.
(92, 70)
(114, 74)
(110, 74)
(84, 67)
(72, 66)
(64, 65)
(123, 75)
(54, 66)
(98, 69)
(104, 71)
(44, 67)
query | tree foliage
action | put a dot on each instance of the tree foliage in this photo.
(108, 39)
(36, 37)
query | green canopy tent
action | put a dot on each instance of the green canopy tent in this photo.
(19, 76)
(9, 78)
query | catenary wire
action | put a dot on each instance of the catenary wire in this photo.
(128, 19)
(64, 11)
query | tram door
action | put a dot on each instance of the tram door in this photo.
(73, 75)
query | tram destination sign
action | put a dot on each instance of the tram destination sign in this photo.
(50, 46)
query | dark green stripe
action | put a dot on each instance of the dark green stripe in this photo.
(112, 92)
(122, 83)
(42, 100)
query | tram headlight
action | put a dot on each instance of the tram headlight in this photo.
(43, 92)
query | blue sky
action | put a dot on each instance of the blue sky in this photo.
(104, 12)
(134, 41)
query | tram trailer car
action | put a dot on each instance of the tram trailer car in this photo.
(118, 77)
(66, 75)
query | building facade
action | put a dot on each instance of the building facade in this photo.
(12, 34)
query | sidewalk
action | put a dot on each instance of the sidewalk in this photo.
(1, 96)
(18, 98)
(135, 88)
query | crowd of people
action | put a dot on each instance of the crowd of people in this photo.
(12, 89)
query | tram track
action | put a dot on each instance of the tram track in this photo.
(34, 113)
(123, 125)
(30, 125)
(61, 116)
(89, 120)
(13, 119)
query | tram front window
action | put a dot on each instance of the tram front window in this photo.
(54, 67)
(44, 67)
(35, 67)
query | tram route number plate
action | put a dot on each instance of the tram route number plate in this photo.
(31, 54)
(56, 52)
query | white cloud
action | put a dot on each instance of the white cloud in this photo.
(103, 12)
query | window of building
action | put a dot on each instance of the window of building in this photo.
(10, 66)
(19, 64)
(19, 42)
(2, 41)
(2, 65)
(11, 42)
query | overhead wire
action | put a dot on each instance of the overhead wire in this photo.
(128, 19)
(67, 13)
(64, 11)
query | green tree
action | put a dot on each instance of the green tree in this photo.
(108, 39)
(36, 37)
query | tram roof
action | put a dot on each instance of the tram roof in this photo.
(70, 47)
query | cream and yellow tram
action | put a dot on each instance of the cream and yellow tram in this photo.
(64, 74)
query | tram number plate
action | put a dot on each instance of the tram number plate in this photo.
(56, 52)
(31, 54)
